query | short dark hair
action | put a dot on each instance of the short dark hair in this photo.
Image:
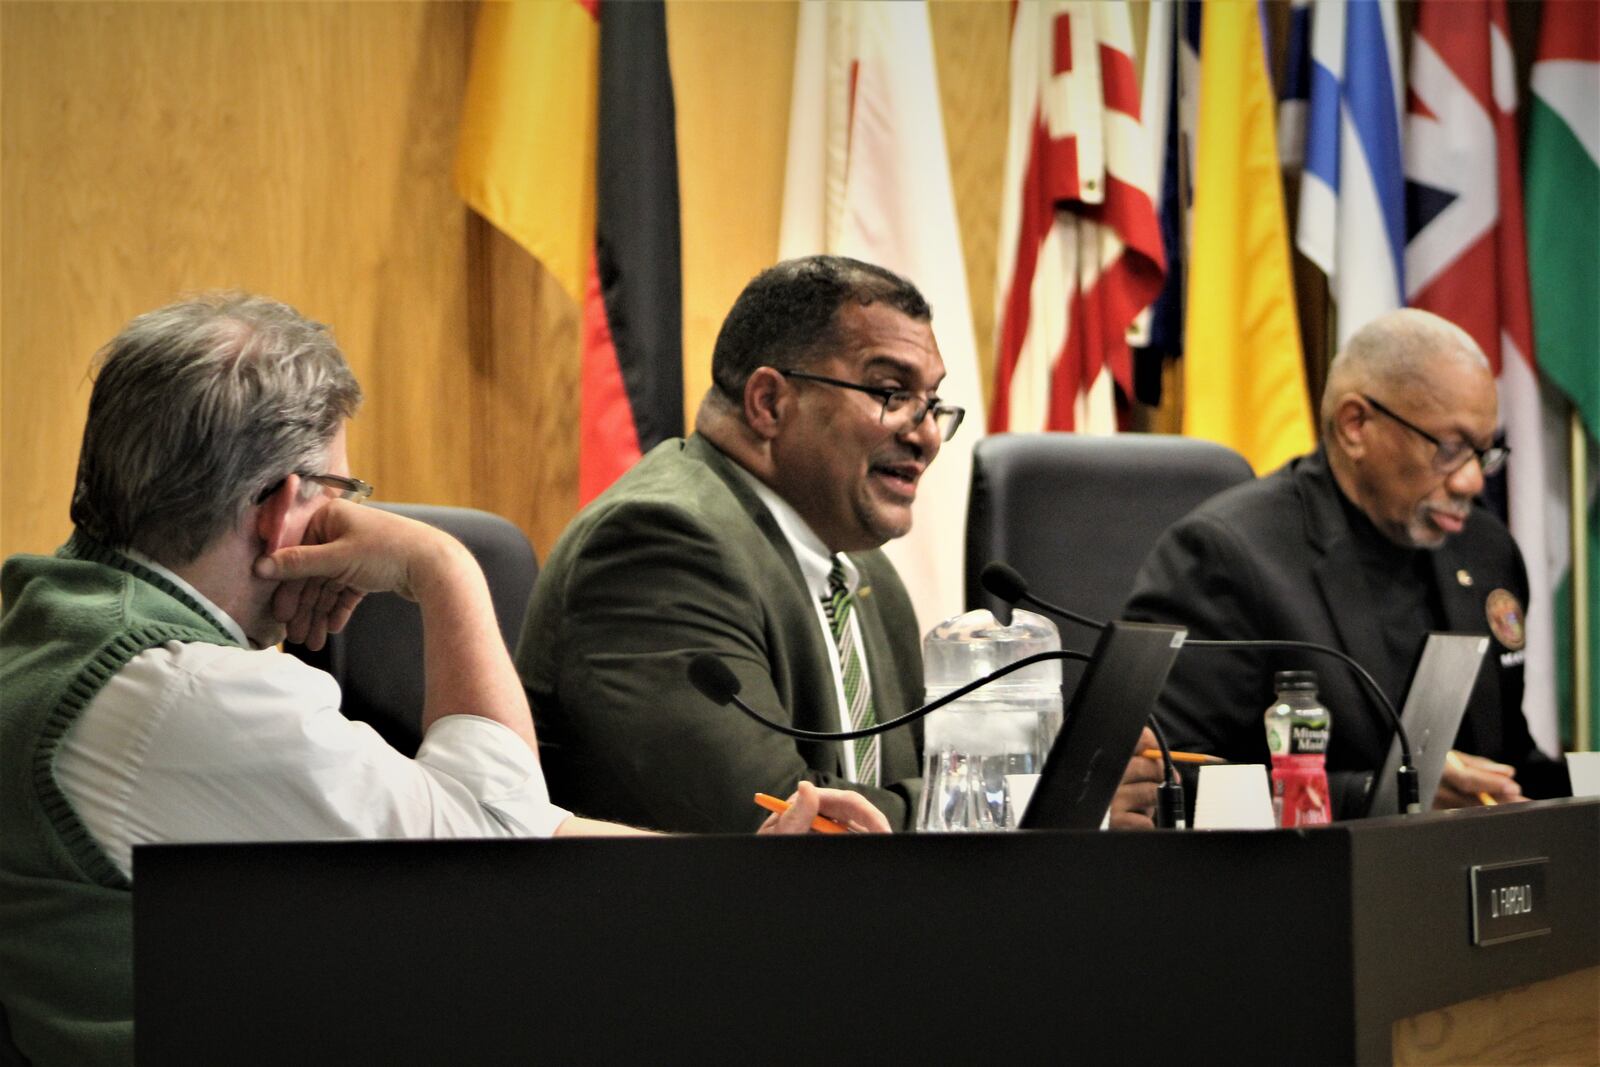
(787, 317)
(198, 407)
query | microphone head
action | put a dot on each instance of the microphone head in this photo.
(1002, 580)
(715, 680)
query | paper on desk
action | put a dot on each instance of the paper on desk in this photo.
(1233, 796)
(1584, 767)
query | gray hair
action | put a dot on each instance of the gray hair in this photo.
(199, 408)
(1399, 351)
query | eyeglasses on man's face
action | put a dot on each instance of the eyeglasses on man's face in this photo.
(344, 488)
(902, 410)
(1450, 456)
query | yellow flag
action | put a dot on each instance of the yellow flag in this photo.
(526, 157)
(1244, 378)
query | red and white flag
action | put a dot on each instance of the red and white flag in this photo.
(1080, 248)
(1466, 260)
(868, 177)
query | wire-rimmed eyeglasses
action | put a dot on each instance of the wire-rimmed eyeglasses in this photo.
(346, 488)
(903, 410)
(1450, 456)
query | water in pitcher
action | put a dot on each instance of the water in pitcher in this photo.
(984, 751)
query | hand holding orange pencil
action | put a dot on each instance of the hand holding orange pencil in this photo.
(816, 808)
(821, 824)
(845, 811)
(1479, 768)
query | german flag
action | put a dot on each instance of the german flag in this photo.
(568, 146)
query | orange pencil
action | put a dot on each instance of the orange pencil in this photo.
(821, 824)
(1183, 757)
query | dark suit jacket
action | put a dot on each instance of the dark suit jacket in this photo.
(681, 557)
(1274, 559)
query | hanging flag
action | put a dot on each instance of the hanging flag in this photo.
(1352, 199)
(525, 159)
(1080, 247)
(1244, 381)
(1294, 92)
(1563, 200)
(868, 177)
(1466, 260)
(1564, 203)
(568, 146)
(1170, 101)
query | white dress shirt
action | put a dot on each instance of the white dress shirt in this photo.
(203, 742)
(816, 563)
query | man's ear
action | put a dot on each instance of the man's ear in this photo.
(274, 514)
(765, 394)
(1351, 420)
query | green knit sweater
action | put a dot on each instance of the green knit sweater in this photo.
(68, 623)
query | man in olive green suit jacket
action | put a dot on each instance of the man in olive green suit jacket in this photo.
(687, 554)
(679, 558)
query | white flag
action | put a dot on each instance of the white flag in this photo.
(868, 177)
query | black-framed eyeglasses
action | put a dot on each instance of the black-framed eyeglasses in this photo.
(903, 410)
(346, 488)
(1450, 456)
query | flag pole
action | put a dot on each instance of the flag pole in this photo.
(1582, 640)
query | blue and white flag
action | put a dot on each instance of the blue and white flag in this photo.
(1352, 199)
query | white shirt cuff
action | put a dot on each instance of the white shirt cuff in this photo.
(497, 767)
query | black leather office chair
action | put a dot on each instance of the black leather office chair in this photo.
(377, 660)
(1076, 515)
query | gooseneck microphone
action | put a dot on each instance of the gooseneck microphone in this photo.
(1004, 582)
(718, 684)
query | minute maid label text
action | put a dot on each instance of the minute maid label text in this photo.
(1309, 740)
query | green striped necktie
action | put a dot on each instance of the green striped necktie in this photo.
(840, 604)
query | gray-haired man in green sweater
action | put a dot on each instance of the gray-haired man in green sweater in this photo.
(214, 516)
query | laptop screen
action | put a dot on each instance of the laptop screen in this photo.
(1109, 708)
(1435, 703)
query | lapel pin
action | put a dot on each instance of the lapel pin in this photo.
(864, 592)
(1464, 577)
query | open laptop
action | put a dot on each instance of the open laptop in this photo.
(1437, 700)
(1109, 708)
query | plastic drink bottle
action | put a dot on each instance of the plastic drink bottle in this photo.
(1297, 737)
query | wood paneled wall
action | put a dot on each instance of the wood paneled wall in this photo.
(301, 151)
(304, 151)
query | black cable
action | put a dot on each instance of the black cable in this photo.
(1170, 811)
(717, 682)
(1166, 753)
